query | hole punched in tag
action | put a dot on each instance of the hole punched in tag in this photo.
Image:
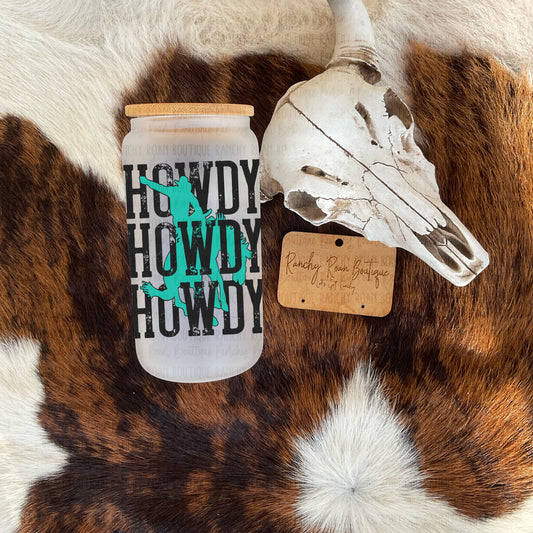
(336, 273)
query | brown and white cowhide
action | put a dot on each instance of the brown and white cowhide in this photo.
(414, 423)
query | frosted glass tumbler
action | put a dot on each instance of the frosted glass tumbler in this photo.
(194, 235)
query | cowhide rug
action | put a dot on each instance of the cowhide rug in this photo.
(414, 423)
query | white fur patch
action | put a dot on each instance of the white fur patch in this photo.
(67, 62)
(500, 28)
(26, 453)
(359, 474)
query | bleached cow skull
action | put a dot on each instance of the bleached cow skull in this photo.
(342, 150)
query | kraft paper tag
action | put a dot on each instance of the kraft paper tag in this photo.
(336, 273)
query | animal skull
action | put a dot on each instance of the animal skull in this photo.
(342, 150)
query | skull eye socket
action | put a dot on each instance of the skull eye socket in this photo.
(305, 205)
(395, 107)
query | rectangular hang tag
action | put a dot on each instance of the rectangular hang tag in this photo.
(336, 273)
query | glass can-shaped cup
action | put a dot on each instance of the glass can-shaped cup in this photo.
(194, 236)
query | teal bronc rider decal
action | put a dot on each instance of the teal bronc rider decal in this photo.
(201, 238)
(208, 253)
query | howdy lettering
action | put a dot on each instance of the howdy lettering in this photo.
(197, 243)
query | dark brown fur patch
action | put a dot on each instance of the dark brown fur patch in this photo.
(147, 455)
(459, 361)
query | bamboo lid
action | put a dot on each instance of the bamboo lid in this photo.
(146, 110)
